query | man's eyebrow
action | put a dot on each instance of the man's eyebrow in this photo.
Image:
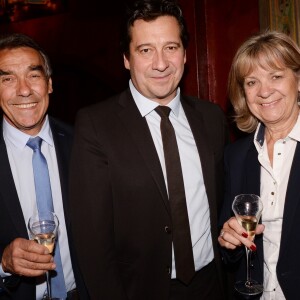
(2, 72)
(36, 68)
(31, 68)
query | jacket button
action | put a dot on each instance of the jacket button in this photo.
(167, 229)
(168, 269)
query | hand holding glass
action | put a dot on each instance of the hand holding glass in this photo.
(247, 209)
(43, 229)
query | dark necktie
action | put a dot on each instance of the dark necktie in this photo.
(44, 203)
(184, 260)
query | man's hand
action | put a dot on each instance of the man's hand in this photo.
(26, 258)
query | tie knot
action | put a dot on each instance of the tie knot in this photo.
(34, 143)
(163, 111)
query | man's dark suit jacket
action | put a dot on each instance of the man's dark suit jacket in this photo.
(243, 176)
(119, 200)
(12, 223)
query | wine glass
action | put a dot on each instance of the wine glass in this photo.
(43, 228)
(247, 209)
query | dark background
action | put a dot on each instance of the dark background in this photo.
(83, 45)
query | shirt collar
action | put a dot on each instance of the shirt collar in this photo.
(146, 106)
(295, 133)
(259, 136)
(19, 138)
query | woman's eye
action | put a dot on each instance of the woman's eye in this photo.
(250, 83)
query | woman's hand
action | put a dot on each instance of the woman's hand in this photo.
(234, 235)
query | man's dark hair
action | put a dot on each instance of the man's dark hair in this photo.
(149, 10)
(19, 40)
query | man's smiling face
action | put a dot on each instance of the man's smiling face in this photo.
(24, 89)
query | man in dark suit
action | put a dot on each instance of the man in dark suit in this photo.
(25, 85)
(120, 191)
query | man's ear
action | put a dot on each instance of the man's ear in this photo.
(50, 88)
(126, 62)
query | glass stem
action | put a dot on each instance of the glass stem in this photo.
(248, 258)
(48, 285)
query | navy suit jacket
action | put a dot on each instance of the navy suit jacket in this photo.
(243, 176)
(116, 173)
(12, 223)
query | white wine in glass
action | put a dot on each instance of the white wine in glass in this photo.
(45, 239)
(249, 223)
(43, 229)
(248, 209)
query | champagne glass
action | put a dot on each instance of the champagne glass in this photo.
(247, 209)
(43, 228)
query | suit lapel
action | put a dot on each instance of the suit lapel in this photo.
(251, 184)
(206, 154)
(138, 129)
(9, 196)
(198, 128)
(62, 149)
(291, 200)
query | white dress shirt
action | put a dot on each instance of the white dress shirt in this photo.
(20, 159)
(274, 181)
(196, 198)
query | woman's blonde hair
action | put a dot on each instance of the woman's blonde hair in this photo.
(269, 49)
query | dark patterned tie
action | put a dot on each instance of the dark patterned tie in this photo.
(182, 243)
(45, 203)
